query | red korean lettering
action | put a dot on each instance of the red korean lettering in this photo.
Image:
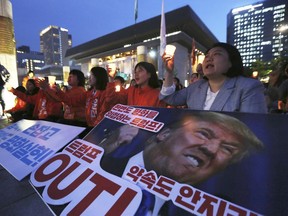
(122, 202)
(238, 210)
(135, 172)
(92, 154)
(222, 207)
(154, 126)
(164, 186)
(140, 112)
(73, 146)
(148, 179)
(152, 114)
(135, 121)
(143, 123)
(188, 192)
(207, 206)
(185, 192)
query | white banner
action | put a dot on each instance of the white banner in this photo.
(26, 144)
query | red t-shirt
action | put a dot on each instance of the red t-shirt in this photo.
(146, 96)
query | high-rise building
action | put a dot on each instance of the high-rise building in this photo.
(260, 30)
(54, 42)
(30, 60)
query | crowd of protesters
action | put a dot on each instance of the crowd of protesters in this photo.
(218, 85)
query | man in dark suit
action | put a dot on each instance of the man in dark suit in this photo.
(188, 151)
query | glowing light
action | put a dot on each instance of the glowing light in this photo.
(152, 53)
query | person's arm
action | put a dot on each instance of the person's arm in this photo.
(19, 106)
(32, 99)
(178, 98)
(53, 93)
(253, 99)
(169, 67)
(60, 96)
(168, 86)
(113, 96)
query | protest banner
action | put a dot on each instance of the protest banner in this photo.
(192, 162)
(26, 144)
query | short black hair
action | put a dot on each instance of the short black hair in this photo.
(150, 68)
(101, 77)
(80, 76)
(121, 79)
(237, 68)
(21, 89)
(32, 81)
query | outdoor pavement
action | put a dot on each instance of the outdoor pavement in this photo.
(18, 197)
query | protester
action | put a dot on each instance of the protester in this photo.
(46, 107)
(73, 114)
(177, 83)
(272, 97)
(93, 99)
(31, 89)
(223, 88)
(118, 80)
(194, 77)
(18, 111)
(64, 88)
(276, 78)
(30, 75)
(282, 87)
(132, 82)
(160, 83)
(146, 90)
(199, 70)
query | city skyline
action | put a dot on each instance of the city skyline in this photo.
(92, 20)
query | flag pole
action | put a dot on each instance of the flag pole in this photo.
(135, 10)
(162, 31)
(162, 39)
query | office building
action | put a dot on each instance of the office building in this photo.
(28, 60)
(259, 31)
(121, 50)
(54, 42)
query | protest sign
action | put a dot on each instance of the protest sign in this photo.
(26, 144)
(198, 162)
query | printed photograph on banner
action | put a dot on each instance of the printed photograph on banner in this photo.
(189, 149)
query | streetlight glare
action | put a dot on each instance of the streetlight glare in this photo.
(283, 28)
(152, 53)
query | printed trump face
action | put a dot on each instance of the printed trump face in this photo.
(192, 152)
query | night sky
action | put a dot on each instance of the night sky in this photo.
(90, 19)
